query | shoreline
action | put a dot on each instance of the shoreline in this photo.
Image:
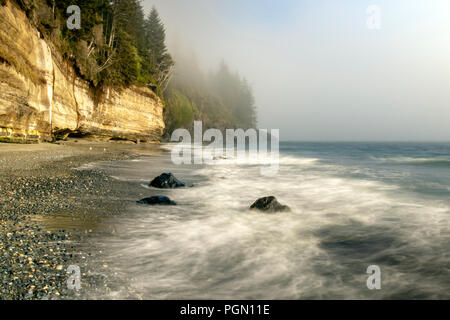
(57, 211)
(48, 209)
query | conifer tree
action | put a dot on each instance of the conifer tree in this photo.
(160, 61)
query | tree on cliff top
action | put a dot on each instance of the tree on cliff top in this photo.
(141, 55)
(159, 62)
(116, 45)
(125, 63)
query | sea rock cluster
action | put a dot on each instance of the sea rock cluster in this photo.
(169, 181)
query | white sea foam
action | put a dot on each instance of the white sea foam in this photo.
(211, 246)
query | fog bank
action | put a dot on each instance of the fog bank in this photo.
(318, 71)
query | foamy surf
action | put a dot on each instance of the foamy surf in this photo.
(346, 215)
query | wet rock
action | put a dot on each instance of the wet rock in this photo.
(269, 204)
(167, 181)
(157, 200)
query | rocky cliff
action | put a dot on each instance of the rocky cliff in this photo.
(40, 93)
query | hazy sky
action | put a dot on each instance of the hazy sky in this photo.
(318, 71)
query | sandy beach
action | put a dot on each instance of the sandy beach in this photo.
(48, 209)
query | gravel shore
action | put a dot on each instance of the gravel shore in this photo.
(40, 184)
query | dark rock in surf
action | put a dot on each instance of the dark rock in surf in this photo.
(157, 200)
(167, 181)
(269, 204)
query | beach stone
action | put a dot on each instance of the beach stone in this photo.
(157, 200)
(269, 204)
(167, 181)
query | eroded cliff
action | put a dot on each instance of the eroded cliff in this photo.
(40, 93)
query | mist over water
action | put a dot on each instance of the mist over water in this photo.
(318, 72)
(353, 205)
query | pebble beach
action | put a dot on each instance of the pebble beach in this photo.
(48, 208)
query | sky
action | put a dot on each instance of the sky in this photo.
(319, 73)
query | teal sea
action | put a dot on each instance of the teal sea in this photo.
(353, 205)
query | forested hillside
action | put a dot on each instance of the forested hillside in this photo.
(118, 45)
(220, 99)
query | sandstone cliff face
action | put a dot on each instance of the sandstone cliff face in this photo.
(40, 93)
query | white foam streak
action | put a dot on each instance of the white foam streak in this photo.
(211, 246)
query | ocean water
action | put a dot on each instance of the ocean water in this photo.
(353, 205)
